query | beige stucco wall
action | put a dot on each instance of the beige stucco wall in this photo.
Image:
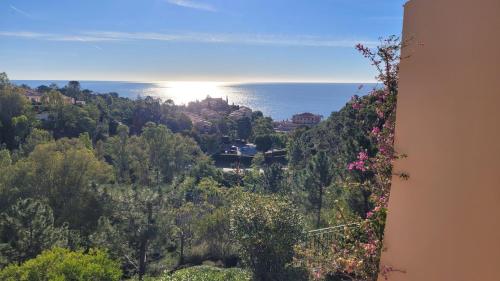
(444, 222)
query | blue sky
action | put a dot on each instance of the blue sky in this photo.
(198, 40)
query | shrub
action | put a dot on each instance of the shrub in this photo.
(208, 273)
(267, 229)
(61, 264)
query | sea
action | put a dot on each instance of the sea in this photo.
(277, 100)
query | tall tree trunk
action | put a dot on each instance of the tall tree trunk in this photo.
(142, 257)
(144, 244)
(181, 258)
(320, 206)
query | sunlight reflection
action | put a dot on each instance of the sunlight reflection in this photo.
(184, 92)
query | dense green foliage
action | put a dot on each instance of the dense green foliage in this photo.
(205, 273)
(14, 113)
(61, 264)
(135, 178)
(28, 228)
(267, 228)
(360, 203)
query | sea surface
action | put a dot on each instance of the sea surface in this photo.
(278, 100)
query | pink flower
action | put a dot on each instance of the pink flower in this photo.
(380, 113)
(357, 165)
(376, 130)
(369, 248)
(360, 164)
(369, 214)
(363, 156)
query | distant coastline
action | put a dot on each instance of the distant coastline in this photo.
(279, 100)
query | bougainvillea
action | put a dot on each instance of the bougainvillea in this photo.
(361, 164)
(355, 253)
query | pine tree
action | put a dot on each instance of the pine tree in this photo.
(27, 229)
(319, 175)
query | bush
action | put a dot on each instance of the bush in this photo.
(61, 264)
(208, 273)
(267, 229)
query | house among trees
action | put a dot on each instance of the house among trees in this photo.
(210, 114)
(39, 97)
(68, 100)
(242, 112)
(34, 96)
(199, 122)
(307, 119)
(303, 119)
(216, 104)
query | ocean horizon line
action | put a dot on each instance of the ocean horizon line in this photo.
(222, 83)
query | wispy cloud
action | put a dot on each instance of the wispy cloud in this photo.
(80, 38)
(84, 40)
(23, 34)
(243, 39)
(19, 11)
(193, 5)
(56, 37)
(207, 38)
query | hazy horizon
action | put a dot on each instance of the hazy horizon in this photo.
(201, 81)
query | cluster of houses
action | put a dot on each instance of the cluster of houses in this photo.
(242, 112)
(203, 113)
(303, 119)
(200, 123)
(38, 98)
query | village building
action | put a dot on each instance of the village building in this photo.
(217, 104)
(241, 113)
(307, 119)
(68, 100)
(34, 96)
(210, 114)
(284, 126)
(303, 119)
(199, 123)
(38, 97)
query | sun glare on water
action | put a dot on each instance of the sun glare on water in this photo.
(183, 92)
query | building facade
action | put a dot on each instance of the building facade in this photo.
(34, 96)
(307, 119)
